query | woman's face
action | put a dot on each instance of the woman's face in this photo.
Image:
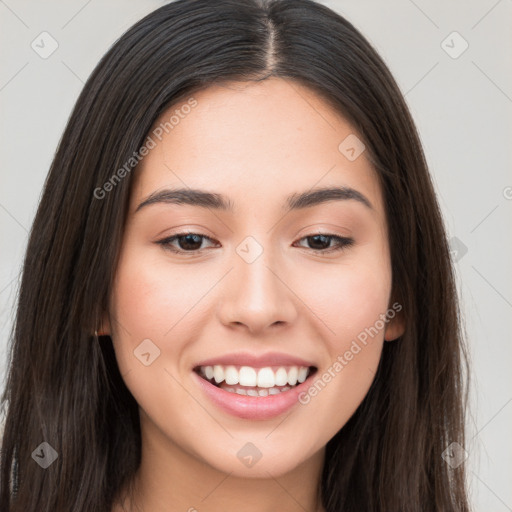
(260, 291)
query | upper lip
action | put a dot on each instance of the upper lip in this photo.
(256, 361)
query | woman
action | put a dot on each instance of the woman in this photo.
(237, 290)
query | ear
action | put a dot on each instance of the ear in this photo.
(395, 327)
(104, 328)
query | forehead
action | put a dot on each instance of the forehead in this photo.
(254, 140)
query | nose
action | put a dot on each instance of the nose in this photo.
(256, 295)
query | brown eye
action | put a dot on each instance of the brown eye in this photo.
(183, 243)
(186, 242)
(320, 242)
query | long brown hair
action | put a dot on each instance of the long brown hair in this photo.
(65, 389)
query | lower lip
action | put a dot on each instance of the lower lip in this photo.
(252, 407)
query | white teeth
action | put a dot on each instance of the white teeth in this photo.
(208, 371)
(303, 373)
(231, 375)
(260, 377)
(247, 376)
(254, 392)
(293, 372)
(266, 378)
(281, 377)
(218, 373)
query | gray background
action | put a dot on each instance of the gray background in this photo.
(461, 103)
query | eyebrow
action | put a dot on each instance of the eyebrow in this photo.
(296, 201)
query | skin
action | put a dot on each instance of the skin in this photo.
(256, 143)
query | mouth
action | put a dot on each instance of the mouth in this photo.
(255, 381)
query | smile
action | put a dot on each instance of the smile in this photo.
(250, 381)
(254, 390)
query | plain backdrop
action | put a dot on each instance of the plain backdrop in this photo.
(450, 61)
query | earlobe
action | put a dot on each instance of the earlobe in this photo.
(104, 327)
(394, 329)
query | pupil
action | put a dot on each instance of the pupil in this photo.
(315, 239)
(190, 239)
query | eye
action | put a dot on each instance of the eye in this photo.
(320, 242)
(187, 242)
(192, 242)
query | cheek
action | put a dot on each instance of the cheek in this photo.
(165, 303)
(151, 297)
(349, 302)
(148, 303)
(349, 298)
(153, 307)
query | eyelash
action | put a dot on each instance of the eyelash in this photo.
(343, 243)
